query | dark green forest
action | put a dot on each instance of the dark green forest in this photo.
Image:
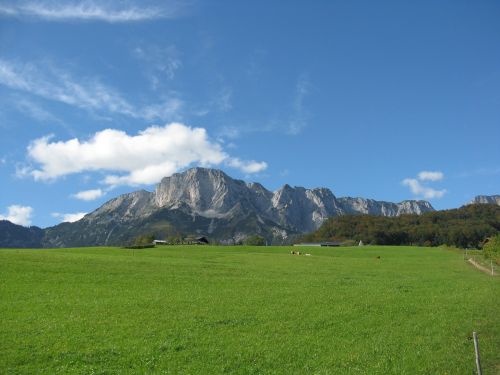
(465, 227)
(13, 235)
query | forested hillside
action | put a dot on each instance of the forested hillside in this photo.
(464, 227)
(13, 235)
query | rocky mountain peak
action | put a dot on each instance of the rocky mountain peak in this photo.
(486, 199)
(414, 207)
(212, 193)
(206, 191)
(136, 204)
(209, 202)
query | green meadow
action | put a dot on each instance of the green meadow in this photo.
(245, 310)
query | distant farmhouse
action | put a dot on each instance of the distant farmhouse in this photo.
(186, 241)
(160, 242)
(322, 244)
(196, 240)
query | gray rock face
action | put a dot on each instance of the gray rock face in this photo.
(486, 199)
(208, 192)
(209, 202)
(127, 206)
(303, 209)
(381, 208)
(212, 193)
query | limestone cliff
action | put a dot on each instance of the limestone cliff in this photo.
(209, 202)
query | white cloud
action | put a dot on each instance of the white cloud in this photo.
(221, 102)
(145, 158)
(89, 94)
(420, 190)
(430, 176)
(229, 132)
(33, 110)
(69, 218)
(22, 170)
(89, 195)
(20, 215)
(105, 11)
(249, 167)
(170, 108)
(60, 86)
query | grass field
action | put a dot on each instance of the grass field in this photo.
(245, 310)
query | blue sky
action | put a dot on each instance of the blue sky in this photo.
(389, 100)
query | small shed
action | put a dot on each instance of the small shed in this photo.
(160, 242)
(322, 244)
(331, 243)
(202, 240)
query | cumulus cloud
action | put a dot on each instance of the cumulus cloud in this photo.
(145, 158)
(430, 176)
(89, 195)
(418, 188)
(69, 218)
(89, 94)
(104, 11)
(248, 167)
(17, 214)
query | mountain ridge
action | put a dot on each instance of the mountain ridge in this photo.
(18, 236)
(486, 199)
(208, 202)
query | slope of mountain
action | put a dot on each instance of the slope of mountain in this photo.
(486, 199)
(209, 202)
(466, 227)
(13, 235)
(381, 208)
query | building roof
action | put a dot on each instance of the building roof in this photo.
(325, 243)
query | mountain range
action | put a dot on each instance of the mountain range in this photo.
(486, 199)
(207, 202)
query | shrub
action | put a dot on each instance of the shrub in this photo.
(255, 240)
(492, 248)
(350, 243)
(140, 246)
(144, 240)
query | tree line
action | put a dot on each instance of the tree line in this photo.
(466, 227)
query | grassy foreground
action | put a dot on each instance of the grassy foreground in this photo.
(245, 310)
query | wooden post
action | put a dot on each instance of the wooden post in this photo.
(491, 264)
(476, 349)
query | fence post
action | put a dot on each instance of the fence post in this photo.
(491, 264)
(476, 349)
